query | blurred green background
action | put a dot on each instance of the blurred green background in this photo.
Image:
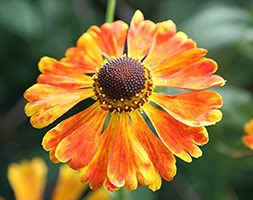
(30, 29)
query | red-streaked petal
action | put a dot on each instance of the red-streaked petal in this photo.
(47, 102)
(54, 136)
(129, 163)
(140, 36)
(196, 76)
(110, 38)
(55, 73)
(84, 58)
(178, 62)
(248, 140)
(166, 44)
(75, 140)
(163, 160)
(109, 186)
(181, 139)
(193, 108)
(96, 171)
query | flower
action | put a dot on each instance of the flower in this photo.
(127, 152)
(248, 138)
(28, 180)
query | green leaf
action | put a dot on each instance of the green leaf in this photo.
(21, 17)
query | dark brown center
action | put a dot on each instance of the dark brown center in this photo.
(121, 78)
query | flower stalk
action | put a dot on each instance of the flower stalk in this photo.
(109, 17)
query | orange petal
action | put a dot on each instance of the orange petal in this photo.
(109, 186)
(96, 171)
(84, 58)
(140, 36)
(166, 44)
(75, 140)
(28, 179)
(129, 163)
(47, 102)
(195, 76)
(181, 139)
(68, 185)
(193, 108)
(110, 38)
(248, 140)
(163, 160)
(55, 73)
(178, 62)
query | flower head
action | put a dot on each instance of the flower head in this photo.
(28, 180)
(120, 67)
(248, 138)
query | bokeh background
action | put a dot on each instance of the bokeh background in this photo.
(30, 29)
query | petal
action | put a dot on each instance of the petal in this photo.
(28, 179)
(100, 194)
(166, 44)
(248, 127)
(84, 58)
(195, 76)
(140, 36)
(68, 185)
(110, 38)
(183, 107)
(96, 171)
(181, 139)
(75, 140)
(129, 164)
(248, 140)
(55, 73)
(161, 157)
(178, 62)
(47, 102)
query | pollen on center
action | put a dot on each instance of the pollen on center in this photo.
(122, 84)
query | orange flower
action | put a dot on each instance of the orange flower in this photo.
(248, 138)
(127, 152)
(28, 180)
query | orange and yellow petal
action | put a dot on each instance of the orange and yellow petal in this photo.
(194, 76)
(129, 164)
(68, 185)
(47, 102)
(110, 38)
(248, 138)
(86, 57)
(75, 140)
(140, 36)
(161, 157)
(178, 62)
(95, 173)
(55, 73)
(100, 194)
(167, 44)
(193, 108)
(28, 179)
(179, 138)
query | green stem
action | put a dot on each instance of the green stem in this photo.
(109, 17)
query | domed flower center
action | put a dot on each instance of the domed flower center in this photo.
(122, 84)
(122, 78)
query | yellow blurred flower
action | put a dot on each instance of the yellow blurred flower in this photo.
(248, 138)
(28, 181)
